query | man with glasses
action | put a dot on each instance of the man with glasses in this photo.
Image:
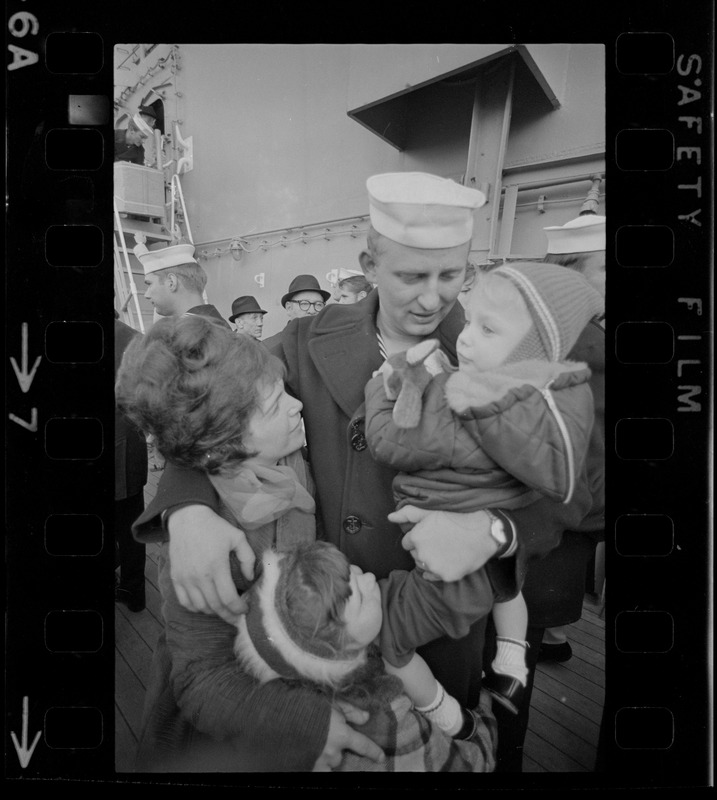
(305, 298)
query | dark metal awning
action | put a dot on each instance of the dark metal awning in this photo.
(541, 71)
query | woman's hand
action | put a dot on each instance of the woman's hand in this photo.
(343, 737)
(447, 544)
(200, 542)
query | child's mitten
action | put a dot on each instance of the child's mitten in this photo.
(405, 377)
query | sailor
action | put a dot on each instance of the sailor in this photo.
(129, 141)
(175, 281)
(580, 244)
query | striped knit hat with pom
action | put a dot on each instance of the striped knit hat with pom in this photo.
(560, 301)
(268, 643)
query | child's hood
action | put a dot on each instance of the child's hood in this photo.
(464, 391)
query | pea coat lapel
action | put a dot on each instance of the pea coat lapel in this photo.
(344, 349)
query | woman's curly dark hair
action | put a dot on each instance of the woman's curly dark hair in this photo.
(193, 384)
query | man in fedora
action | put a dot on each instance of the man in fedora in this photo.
(175, 281)
(247, 316)
(149, 115)
(305, 298)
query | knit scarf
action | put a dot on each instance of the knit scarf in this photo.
(259, 494)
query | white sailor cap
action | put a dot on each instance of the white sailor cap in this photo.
(421, 210)
(337, 275)
(584, 234)
(142, 126)
(154, 260)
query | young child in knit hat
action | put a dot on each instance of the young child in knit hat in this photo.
(513, 419)
(314, 618)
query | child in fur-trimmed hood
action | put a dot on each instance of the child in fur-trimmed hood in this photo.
(513, 420)
(313, 619)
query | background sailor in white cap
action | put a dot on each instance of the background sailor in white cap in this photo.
(416, 256)
(348, 284)
(129, 141)
(175, 281)
(580, 245)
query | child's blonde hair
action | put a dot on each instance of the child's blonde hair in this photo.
(497, 290)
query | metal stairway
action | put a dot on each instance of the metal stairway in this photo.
(171, 226)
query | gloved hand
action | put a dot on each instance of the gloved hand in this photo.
(405, 377)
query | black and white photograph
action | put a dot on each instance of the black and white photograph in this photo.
(491, 162)
(344, 275)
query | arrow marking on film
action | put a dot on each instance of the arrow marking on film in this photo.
(31, 426)
(24, 378)
(22, 750)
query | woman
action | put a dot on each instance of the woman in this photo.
(217, 402)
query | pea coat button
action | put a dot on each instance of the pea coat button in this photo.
(352, 524)
(358, 442)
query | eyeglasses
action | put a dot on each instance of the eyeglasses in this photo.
(305, 305)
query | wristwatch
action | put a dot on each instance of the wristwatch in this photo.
(497, 529)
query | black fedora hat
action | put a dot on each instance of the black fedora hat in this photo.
(148, 111)
(304, 283)
(245, 305)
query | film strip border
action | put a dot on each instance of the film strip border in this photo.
(60, 553)
(658, 671)
(59, 631)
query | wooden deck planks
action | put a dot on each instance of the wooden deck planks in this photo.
(573, 747)
(549, 757)
(589, 655)
(125, 744)
(565, 715)
(567, 703)
(563, 688)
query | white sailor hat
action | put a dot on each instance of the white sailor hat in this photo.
(154, 260)
(421, 210)
(584, 234)
(341, 273)
(141, 125)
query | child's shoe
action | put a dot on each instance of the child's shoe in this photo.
(506, 690)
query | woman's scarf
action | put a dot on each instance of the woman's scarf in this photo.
(259, 494)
